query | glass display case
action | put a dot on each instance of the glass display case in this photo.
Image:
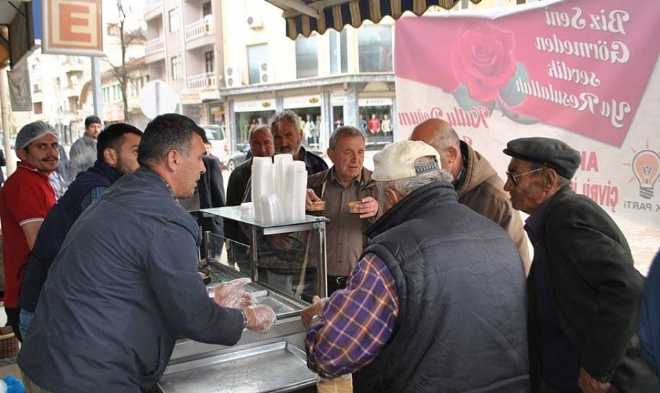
(287, 265)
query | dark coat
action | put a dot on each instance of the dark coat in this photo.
(211, 190)
(596, 289)
(461, 292)
(236, 189)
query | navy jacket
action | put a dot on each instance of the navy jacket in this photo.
(121, 290)
(461, 291)
(56, 225)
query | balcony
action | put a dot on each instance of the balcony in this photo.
(73, 64)
(152, 9)
(200, 29)
(202, 81)
(154, 50)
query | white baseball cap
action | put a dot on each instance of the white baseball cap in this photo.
(400, 160)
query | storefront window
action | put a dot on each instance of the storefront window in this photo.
(307, 61)
(310, 124)
(375, 47)
(248, 121)
(338, 52)
(337, 117)
(257, 56)
(376, 123)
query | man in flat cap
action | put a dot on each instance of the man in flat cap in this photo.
(25, 200)
(443, 286)
(583, 290)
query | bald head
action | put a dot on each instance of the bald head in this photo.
(439, 134)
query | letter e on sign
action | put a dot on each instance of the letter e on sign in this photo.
(73, 27)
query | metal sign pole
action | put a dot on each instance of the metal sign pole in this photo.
(96, 87)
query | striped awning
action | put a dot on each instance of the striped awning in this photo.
(306, 16)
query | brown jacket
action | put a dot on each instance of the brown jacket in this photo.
(482, 190)
(345, 231)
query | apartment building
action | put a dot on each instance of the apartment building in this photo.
(234, 66)
(329, 80)
(181, 49)
(56, 85)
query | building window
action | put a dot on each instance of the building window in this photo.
(338, 52)
(206, 9)
(307, 60)
(176, 67)
(36, 88)
(174, 20)
(38, 107)
(257, 57)
(375, 47)
(209, 61)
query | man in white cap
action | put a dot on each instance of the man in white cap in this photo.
(25, 200)
(437, 300)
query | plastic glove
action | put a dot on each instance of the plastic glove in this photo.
(260, 318)
(231, 293)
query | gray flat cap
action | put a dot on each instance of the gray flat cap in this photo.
(31, 132)
(551, 152)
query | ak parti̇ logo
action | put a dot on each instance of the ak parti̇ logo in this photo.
(645, 167)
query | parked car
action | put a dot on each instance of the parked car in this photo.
(219, 146)
(241, 155)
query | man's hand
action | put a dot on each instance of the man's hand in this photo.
(231, 294)
(367, 208)
(310, 312)
(588, 384)
(260, 318)
(313, 202)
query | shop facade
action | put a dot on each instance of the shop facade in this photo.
(366, 102)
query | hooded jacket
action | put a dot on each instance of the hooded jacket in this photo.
(481, 189)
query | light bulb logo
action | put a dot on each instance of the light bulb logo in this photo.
(646, 167)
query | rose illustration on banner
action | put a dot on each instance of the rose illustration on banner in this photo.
(482, 60)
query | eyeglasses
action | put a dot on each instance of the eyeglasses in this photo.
(515, 176)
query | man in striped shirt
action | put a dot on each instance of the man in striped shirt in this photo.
(436, 303)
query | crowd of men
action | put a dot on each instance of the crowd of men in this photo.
(430, 281)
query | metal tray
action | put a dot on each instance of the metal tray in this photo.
(276, 367)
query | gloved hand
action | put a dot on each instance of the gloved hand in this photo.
(232, 294)
(260, 317)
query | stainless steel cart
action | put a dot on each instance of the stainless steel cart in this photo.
(287, 264)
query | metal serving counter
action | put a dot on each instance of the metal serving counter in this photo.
(287, 264)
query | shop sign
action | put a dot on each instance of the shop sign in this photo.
(73, 27)
(375, 102)
(337, 100)
(302, 102)
(255, 105)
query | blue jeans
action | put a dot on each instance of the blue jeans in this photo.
(25, 321)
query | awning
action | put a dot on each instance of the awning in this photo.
(306, 16)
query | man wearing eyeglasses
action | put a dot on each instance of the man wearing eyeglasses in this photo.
(583, 290)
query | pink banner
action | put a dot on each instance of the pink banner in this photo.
(581, 65)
